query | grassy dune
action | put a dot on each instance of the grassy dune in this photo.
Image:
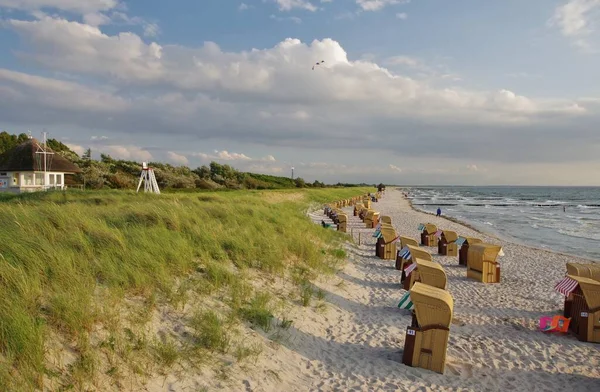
(70, 263)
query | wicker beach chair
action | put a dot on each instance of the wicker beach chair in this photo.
(430, 273)
(407, 279)
(447, 243)
(585, 306)
(386, 219)
(463, 255)
(342, 223)
(482, 264)
(426, 340)
(428, 237)
(403, 242)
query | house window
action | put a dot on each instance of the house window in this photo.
(39, 178)
(59, 179)
(51, 180)
(28, 179)
(15, 180)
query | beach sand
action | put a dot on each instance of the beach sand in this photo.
(355, 343)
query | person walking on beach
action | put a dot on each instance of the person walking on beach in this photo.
(564, 209)
(439, 211)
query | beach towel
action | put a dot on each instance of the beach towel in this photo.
(566, 286)
(409, 269)
(404, 253)
(405, 302)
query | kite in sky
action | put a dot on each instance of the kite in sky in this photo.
(317, 64)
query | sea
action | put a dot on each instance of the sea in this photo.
(561, 219)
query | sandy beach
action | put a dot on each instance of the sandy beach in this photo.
(356, 343)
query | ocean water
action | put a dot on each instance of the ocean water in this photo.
(526, 215)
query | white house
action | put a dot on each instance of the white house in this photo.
(29, 167)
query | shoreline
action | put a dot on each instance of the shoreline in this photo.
(509, 241)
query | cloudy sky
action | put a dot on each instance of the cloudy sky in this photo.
(410, 92)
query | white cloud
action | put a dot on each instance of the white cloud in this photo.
(573, 19)
(472, 167)
(101, 138)
(376, 5)
(77, 6)
(128, 152)
(403, 60)
(225, 155)
(396, 168)
(288, 5)
(177, 158)
(243, 7)
(77, 148)
(402, 15)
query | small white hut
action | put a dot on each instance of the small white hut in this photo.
(31, 167)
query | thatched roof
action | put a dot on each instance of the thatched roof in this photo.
(24, 158)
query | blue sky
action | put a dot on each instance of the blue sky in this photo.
(421, 91)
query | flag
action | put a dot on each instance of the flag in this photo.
(438, 234)
(409, 269)
(421, 227)
(405, 302)
(376, 234)
(460, 241)
(378, 227)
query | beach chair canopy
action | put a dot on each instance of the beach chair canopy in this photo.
(591, 271)
(450, 236)
(472, 240)
(343, 218)
(408, 241)
(431, 273)
(386, 219)
(389, 234)
(484, 252)
(417, 252)
(591, 291)
(433, 306)
(430, 228)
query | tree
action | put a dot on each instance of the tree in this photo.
(203, 172)
(300, 183)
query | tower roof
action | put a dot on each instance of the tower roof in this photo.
(25, 157)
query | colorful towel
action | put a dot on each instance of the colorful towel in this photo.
(408, 269)
(404, 253)
(438, 234)
(405, 302)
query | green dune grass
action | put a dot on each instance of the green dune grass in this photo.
(67, 257)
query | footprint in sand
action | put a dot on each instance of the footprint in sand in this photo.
(461, 369)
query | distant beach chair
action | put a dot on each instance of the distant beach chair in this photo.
(482, 264)
(447, 243)
(585, 306)
(428, 237)
(342, 224)
(429, 273)
(426, 339)
(407, 279)
(390, 239)
(403, 242)
(463, 255)
(386, 219)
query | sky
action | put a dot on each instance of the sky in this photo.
(419, 92)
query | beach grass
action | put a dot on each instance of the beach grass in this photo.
(65, 256)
